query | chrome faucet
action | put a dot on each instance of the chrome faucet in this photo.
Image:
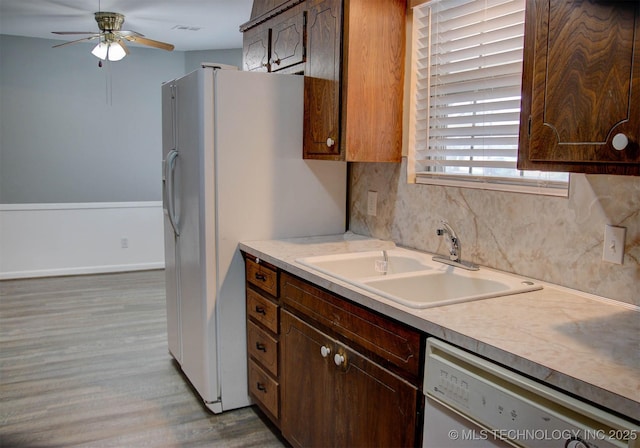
(454, 242)
(455, 250)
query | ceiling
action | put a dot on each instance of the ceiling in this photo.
(170, 21)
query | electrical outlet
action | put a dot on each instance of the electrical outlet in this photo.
(613, 247)
(372, 203)
(124, 243)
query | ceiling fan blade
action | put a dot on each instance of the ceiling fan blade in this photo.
(85, 39)
(127, 34)
(139, 39)
(64, 33)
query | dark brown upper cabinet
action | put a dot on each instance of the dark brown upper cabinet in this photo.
(276, 40)
(352, 57)
(581, 87)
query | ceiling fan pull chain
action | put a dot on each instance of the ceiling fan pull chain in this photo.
(108, 84)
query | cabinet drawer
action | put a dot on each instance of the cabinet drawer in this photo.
(263, 388)
(390, 343)
(263, 348)
(262, 310)
(262, 276)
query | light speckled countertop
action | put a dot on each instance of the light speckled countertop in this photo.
(583, 344)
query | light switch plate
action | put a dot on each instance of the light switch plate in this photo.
(372, 203)
(613, 247)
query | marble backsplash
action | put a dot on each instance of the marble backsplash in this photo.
(557, 240)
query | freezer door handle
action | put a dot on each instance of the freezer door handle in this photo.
(169, 175)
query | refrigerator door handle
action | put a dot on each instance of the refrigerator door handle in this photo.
(170, 167)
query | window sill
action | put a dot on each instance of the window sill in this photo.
(559, 189)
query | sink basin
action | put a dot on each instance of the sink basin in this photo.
(451, 286)
(413, 279)
(367, 264)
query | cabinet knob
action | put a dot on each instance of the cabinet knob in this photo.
(330, 142)
(620, 141)
(339, 359)
(576, 444)
(325, 351)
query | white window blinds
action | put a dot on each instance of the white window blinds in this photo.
(467, 69)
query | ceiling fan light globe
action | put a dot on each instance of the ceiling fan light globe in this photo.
(116, 52)
(100, 50)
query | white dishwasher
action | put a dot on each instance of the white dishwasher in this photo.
(471, 402)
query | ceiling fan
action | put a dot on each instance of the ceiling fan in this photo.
(111, 38)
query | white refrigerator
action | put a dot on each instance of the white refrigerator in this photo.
(232, 171)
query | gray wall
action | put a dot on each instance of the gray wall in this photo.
(73, 132)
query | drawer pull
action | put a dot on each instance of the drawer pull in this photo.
(261, 387)
(261, 347)
(261, 310)
(261, 277)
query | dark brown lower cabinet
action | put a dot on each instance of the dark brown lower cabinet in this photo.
(334, 396)
(307, 414)
(329, 372)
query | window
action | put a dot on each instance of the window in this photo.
(465, 105)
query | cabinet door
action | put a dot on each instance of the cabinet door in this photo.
(287, 39)
(322, 80)
(356, 403)
(581, 87)
(372, 80)
(255, 49)
(306, 384)
(373, 407)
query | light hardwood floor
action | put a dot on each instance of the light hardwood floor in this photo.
(84, 362)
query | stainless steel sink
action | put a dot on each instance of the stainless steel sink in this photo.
(413, 279)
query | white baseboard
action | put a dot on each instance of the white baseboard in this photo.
(81, 271)
(42, 240)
